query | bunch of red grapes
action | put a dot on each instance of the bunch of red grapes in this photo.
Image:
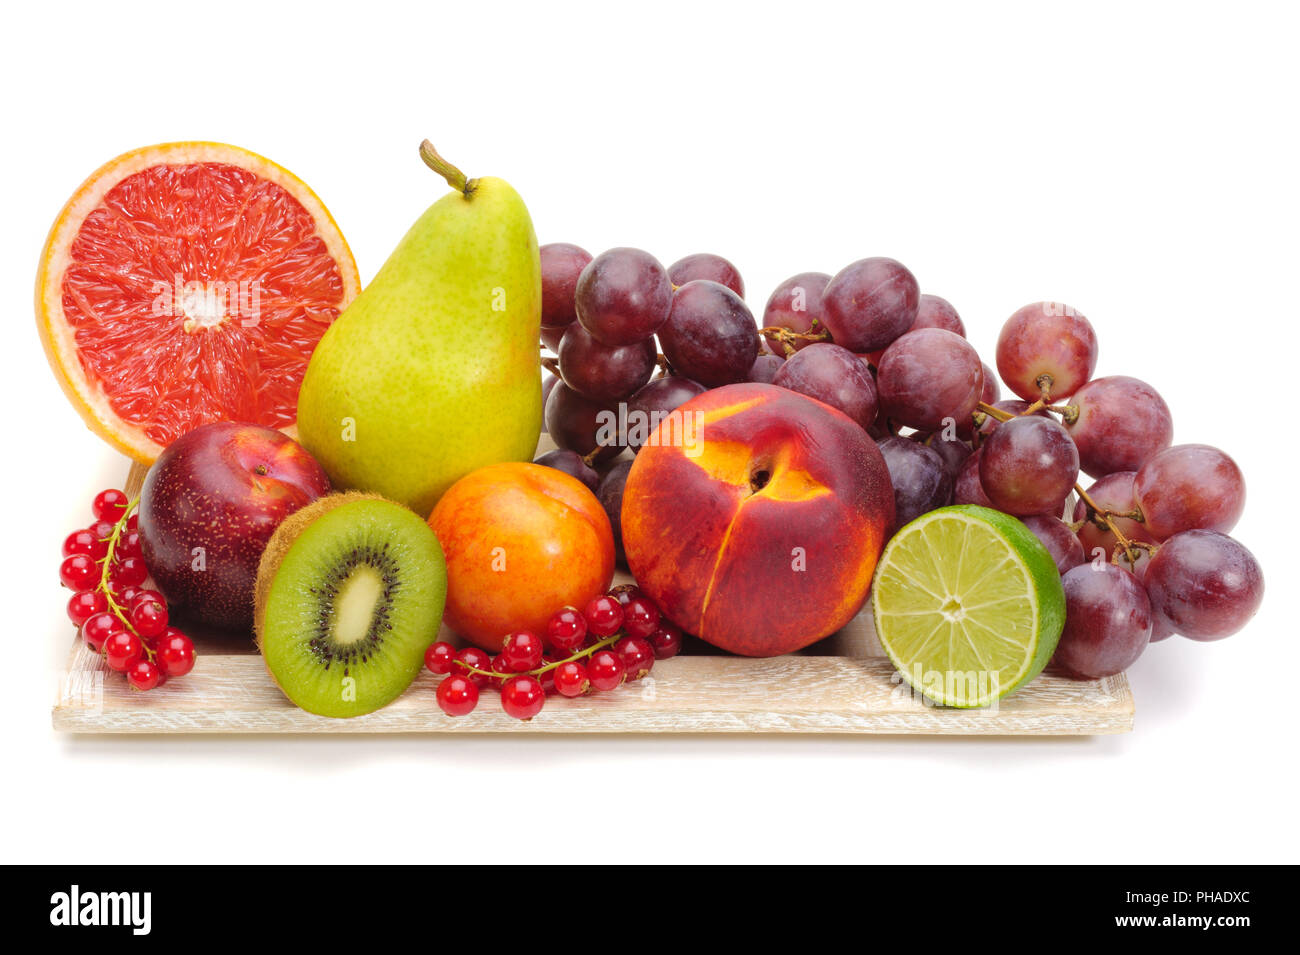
(118, 618)
(615, 639)
(1143, 552)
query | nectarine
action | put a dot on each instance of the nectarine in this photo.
(521, 541)
(762, 535)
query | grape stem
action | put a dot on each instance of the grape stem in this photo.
(1105, 520)
(992, 412)
(787, 337)
(551, 364)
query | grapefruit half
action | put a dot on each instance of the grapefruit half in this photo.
(186, 283)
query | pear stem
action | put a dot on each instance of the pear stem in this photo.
(455, 178)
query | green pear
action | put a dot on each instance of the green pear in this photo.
(433, 370)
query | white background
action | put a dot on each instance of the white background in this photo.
(1139, 164)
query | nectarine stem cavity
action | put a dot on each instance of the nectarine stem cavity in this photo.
(455, 178)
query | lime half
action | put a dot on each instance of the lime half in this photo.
(968, 605)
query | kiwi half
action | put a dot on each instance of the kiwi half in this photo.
(350, 592)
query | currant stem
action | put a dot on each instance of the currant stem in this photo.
(114, 607)
(584, 652)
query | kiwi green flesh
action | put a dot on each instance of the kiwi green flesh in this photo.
(355, 601)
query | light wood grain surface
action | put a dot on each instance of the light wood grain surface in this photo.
(841, 685)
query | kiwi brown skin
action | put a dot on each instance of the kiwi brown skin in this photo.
(283, 539)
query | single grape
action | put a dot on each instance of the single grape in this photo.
(1046, 343)
(1204, 584)
(1114, 492)
(551, 337)
(765, 368)
(572, 464)
(654, 402)
(935, 312)
(1029, 466)
(921, 482)
(991, 391)
(951, 449)
(1107, 621)
(967, 489)
(548, 382)
(834, 376)
(1121, 423)
(562, 263)
(623, 296)
(929, 376)
(704, 265)
(796, 304)
(1189, 486)
(604, 373)
(610, 495)
(1059, 540)
(710, 335)
(582, 425)
(870, 303)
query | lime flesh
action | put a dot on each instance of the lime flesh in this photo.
(968, 605)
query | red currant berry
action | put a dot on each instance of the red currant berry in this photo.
(79, 572)
(148, 615)
(109, 505)
(133, 522)
(121, 650)
(522, 696)
(98, 628)
(175, 653)
(143, 675)
(476, 658)
(128, 545)
(439, 657)
(640, 617)
(547, 677)
(85, 604)
(457, 695)
(127, 596)
(103, 530)
(571, 679)
(605, 670)
(625, 592)
(604, 616)
(129, 572)
(522, 650)
(667, 640)
(566, 630)
(637, 656)
(84, 542)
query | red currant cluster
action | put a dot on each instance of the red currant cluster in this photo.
(122, 621)
(616, 638)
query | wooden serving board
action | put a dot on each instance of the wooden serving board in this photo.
(842, 684)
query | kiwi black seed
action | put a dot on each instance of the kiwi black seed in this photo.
(350, 593)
